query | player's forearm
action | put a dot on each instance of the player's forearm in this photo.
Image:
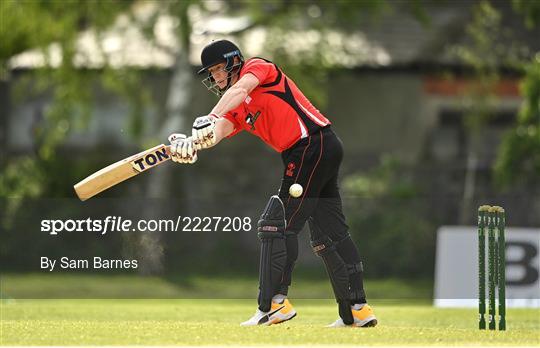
(223, 129)
(230, 100)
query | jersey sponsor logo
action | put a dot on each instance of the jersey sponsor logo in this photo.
(150, 160)
(251, 119)
(290, 169)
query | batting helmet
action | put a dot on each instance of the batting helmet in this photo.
(217, 52)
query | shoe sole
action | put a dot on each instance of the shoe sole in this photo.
(371, 323)
(282, 321)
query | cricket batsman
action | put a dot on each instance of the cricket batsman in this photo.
(256, 96)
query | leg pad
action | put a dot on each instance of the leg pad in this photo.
(337, 271)
(271, 228)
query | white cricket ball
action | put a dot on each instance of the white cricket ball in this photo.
(296, 190)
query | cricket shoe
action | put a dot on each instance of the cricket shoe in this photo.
(363, 317)
(279, 312)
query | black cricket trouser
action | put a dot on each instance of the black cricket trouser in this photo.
(314, 162)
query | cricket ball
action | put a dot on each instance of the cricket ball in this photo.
(296, 190)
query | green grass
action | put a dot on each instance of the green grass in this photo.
(215, 322)
(58, 285)
(199, 310)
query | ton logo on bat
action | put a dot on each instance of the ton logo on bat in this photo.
(150, 160)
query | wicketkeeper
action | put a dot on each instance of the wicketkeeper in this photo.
(256, 96)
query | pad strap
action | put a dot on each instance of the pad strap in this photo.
(355, 268)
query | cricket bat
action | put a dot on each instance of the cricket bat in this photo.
(121, 170)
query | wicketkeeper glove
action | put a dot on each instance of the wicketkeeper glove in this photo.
(204, 131)
(182, 149)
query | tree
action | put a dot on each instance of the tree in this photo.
(56, 26)
(518, 159)
(516, 155)
(59, 24)
(481, 56)
(55, 23)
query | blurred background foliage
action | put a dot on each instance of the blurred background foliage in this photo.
(386, 204)
(388, 213)
(518, 161)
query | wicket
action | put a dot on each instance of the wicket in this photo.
(493, 219)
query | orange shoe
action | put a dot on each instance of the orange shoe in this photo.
(279, 312)
(363, 317)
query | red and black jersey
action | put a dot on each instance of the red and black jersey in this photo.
(276, 111)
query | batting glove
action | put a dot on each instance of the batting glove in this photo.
(204, 131)
(182, 149)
